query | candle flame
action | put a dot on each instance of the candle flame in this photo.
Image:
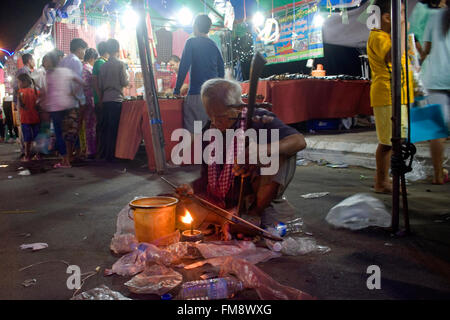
(187, 218)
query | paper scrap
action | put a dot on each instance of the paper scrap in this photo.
(35, 246)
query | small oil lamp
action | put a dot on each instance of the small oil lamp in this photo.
(190, 235)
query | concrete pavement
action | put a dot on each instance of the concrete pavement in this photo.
(75, 210)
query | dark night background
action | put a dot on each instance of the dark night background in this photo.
(16, 19)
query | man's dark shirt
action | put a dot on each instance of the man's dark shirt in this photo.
(232, 197)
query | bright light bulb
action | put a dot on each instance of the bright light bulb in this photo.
(185, 16)
(318, 20)
(130, 18)
(258, 19)
(48, 46)
(9, 78)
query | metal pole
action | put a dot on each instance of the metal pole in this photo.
(396, 88)
(151, 95)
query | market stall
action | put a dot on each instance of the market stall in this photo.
(307, 99)
(134, 128)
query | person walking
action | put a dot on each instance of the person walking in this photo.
(112, 80)
(100, 124)
(61, 102)
(203, 58)
(89, 119)
(73, 62)
(435, 76)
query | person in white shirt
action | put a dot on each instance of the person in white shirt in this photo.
(60, 102)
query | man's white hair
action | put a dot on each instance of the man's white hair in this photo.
(226, 91)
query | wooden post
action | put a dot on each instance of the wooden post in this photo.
(151, 95)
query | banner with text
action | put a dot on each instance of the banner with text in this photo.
(299, 37)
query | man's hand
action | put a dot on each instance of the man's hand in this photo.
(246, 169)
(264, 119)
(184, 90)
(184, 190)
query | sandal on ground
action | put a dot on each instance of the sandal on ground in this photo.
(59, 165)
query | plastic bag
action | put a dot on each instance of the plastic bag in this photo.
(42, 143)
(293, 246)
(134, 262)
(156, 279)
(253, 256)
(124, 223)
(257, 255)
(183, 250)
(358, 212)
(217, 249)
(100, 293)
(253, 277)
(419, 171)
(130, 264)
(123, 243)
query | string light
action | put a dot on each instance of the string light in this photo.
(258, 19)
(185, 16)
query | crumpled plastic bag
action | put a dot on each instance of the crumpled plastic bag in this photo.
(219, 249)
(124, 224)
(253, 256)
(135, 261)
(254, 278)
(294, 246)
(130, 264)
(100, 293)
(42, 143)
(156, 279)
(123, 243)
(183, 250)
(358, 212)
(419, 171)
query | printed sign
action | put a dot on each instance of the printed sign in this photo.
(300, 38)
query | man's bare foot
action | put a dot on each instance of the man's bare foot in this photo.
(385, 189)
(443, 179)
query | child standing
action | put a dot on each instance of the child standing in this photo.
(379, 53)
(29, 115)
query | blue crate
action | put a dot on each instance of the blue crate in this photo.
(323, 124)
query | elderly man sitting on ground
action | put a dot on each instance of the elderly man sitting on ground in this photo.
(267, 175)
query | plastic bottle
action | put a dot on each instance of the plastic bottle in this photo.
(276, 246)
(290, 227)
(210, 289)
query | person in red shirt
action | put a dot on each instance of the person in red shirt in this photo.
(174, 64)
(29, 114)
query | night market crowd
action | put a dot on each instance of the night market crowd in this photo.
(80, 95)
